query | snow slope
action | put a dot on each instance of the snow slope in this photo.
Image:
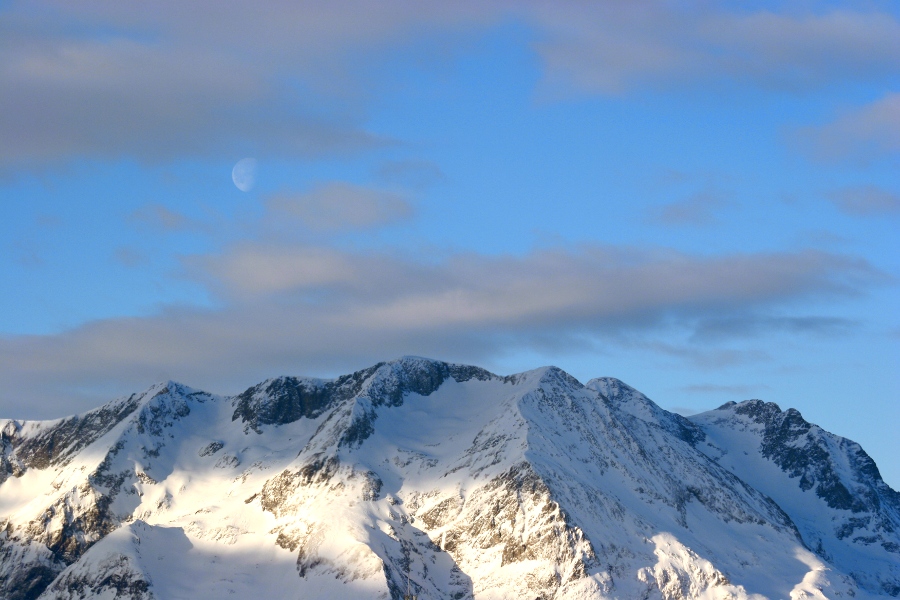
(470, 484)
(828, 485)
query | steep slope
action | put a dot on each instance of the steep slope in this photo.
(72, 483)
(470, 484)
(828, 485)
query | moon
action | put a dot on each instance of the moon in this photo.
(244, 174)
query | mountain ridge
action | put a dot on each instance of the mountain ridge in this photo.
(477, 485)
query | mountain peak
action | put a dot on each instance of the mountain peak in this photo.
(759, 410)
(630, 401)
(843, 505)
(528, 485)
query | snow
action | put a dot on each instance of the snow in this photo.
(483, 487)
(734, 441)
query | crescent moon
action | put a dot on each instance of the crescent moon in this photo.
(244, 174)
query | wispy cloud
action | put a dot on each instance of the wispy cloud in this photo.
(129, 257)
(729, 390)
(416, 174)
(337, 206)
(174, 80)
(26, 254)
(866, 201)
(751, 325)
(869, 132)
(162, 218)
(611, 48)
(698, 209)
(711, 358)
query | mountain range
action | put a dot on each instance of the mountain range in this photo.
(445, 479)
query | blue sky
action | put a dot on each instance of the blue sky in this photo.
(701, 199)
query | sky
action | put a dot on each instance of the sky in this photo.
(699, 198)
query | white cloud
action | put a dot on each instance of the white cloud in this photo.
(296, 309)
(250, 270)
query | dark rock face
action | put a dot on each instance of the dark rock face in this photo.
(113, 576)
(803, 451)
(418, 376)
(210, 449)
(390, 382)
(287, 399)
(22, 578)
(281, 401)
(55, 444)
(865, 510)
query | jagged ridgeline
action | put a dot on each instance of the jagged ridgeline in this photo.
(418, 477)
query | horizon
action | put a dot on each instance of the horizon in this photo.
(702, 202)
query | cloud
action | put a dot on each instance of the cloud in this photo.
(801, 51)
(104, 81)
(414, 173)
(612, 48)
(866, 201)
(301, 309)
(46, 221)
(864, 134)
(731, 390)
(250, 270)
(695, 210)
(27, 254)
(750, 325)
(707, 358)
(161, 218)
(608, 281)
(153, 89)
(338, 206)
(129, 257)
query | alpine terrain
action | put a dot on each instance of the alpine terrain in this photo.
(462, 482)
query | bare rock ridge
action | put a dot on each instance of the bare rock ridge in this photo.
(470, 484)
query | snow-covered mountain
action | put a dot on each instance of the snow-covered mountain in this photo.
(469, 484)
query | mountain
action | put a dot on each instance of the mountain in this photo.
(447, 478)
(831, 488)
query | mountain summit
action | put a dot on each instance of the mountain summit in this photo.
(470, 484)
